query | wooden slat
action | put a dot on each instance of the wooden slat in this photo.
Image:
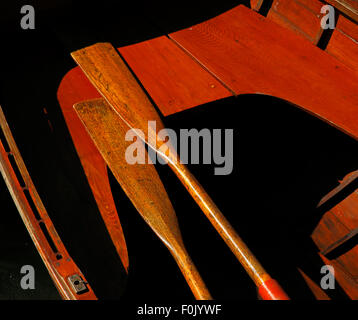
(302, 17)
(173, 79)
(345, 280)
(344, 43)
(348, 7)
(251, 54)
(329, 230)
(335, 225)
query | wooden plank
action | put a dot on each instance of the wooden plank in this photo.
(330, 229)
(345, 280)
(251, 54)
(173, 79)
(344, 43)
(335, 225)
(301, 17)
(348, 7)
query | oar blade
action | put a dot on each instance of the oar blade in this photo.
(140, 181)
(117, 84)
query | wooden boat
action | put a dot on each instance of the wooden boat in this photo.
(279, 50)
(276, 48)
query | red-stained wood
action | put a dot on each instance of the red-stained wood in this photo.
(173, 79)
(348, 7)
(330, 229)
(302, 17)
(36, 219)
(334, 226)
(256, 4)
(315, 288)
(343, 44)
(75, 87)
(251, 54)
(345, 280)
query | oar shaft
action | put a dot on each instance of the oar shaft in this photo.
(192, 275)
(269, 289)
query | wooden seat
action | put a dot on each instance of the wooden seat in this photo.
(250, 54)
(172, 78)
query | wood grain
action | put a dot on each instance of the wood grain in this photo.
(173, 80)
(75, 87)
(348, 7)
(344, 43)
(256, 4)
(299, 16)
(141, 183)
(335, 225)
(251, 54)
(52, 251)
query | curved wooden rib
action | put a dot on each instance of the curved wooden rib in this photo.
(75, 87)
(52, 250)
(141, 183)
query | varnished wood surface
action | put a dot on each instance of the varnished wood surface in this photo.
(348, 7)
(141, 183)
(109, 74)
(344, 43)
(59, 264)
(345, 280)
(256, 4)
(334, 226)
(75, 87)
(174, 80)
(302, 17)
(253, 55)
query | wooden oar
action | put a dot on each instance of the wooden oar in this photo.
(141, 183)
(112, 78)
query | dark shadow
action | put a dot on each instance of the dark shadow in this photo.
(343, 248)
(265, 7)
(285, 162)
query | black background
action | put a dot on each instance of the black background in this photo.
(284, 162)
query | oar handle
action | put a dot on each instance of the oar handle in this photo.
(271, 290)
(191, 274)
(268, 288)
